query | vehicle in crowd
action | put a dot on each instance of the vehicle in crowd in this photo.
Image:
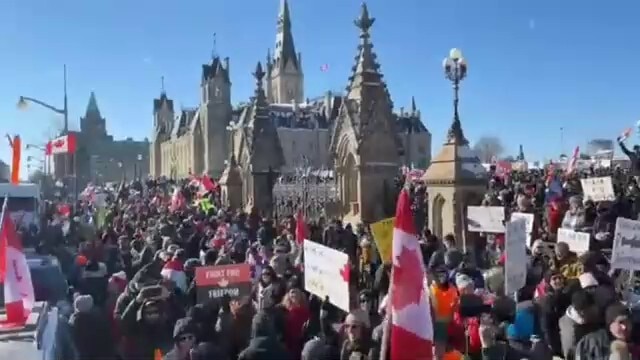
(24, 202)
(49, 282)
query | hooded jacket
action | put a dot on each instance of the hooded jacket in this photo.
(264, 344)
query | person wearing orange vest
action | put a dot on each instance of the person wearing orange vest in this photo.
(444, 298)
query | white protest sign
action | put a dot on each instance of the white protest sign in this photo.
(516, 256)
(326, 274)
(598, 189)
(528, 218)
(578, 241)
(487, 219)
(626, 245)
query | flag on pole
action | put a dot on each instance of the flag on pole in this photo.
(625, 134)
(301, 229)
(65, 144)
(571, 166)
(411, 324)
(324, 67)
(19, 297)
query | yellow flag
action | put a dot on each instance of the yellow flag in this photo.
(382, 232)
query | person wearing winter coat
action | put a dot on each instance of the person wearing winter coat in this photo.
(184, 338)
(613, 341)
(552, 306)
(90, 331)
(580, 319)
(264, 345)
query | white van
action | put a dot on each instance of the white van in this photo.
(24, 202)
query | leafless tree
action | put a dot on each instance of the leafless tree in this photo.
(488, 147)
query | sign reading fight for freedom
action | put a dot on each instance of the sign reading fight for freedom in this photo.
(326, 273)
(598, 189)
(626, 245)
(214, 282)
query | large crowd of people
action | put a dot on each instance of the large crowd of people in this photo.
(134, 296)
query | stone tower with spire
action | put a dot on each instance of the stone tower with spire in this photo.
(93, 125)
(163, 117)
(365, 146)
(259, 152)
(284, 81)
(215, 113)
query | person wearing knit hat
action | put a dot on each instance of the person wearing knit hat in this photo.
(465, 284)
(610, 342)
(83, 303)
(619, 321)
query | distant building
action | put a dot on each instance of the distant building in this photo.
(596, 146)
(197, 140)
(5, 172)
(99, 158)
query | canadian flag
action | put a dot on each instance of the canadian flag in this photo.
(15, 275)
(571, 166)
(204, 184)
(177, 200)
(411, 326)
(301, 228)
(65, 144)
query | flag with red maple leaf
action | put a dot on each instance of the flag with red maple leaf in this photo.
(411, 326)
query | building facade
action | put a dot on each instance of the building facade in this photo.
(200, 140)
(99, 158)
(5, 172)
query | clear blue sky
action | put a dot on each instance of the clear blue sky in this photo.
(534, 66)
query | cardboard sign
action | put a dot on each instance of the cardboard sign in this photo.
(326, 273)
(516, 255)
(382, 232)
(626, 245)
(578, 241)
(488, 219)
(213, 282)
(598, 189)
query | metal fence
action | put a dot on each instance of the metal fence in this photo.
(315, 196)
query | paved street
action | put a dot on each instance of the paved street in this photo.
(18, 346)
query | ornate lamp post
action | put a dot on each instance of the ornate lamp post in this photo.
(455, 70)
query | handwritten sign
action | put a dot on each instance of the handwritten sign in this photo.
(598, 189)
(528, 218)
(383, 236)
(326, 273)
(489, 219)
(214, 282)
(626, 245)
(516, 255)
(578, 241)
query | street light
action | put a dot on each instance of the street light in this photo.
(23, 103)
(455, 70)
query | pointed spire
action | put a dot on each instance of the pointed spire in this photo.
(364, 22)
(521, 153)
(455, 135)
(285, 50)
(414, 108)
(92, 106)
(259, 96)
(366, 70)
(162, 91)
(214, 50)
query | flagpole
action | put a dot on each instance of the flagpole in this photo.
(4, 208)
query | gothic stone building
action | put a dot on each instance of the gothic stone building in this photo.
(99, 158)
(197, 140)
